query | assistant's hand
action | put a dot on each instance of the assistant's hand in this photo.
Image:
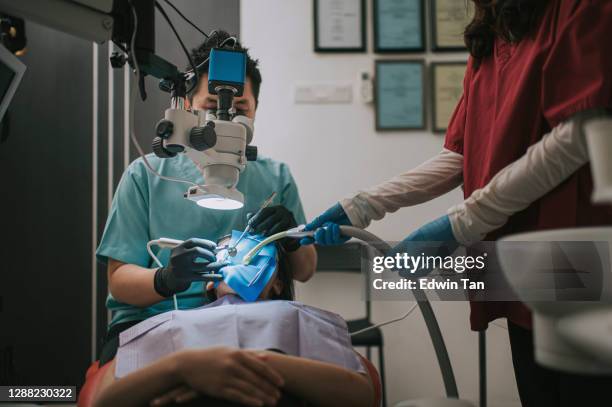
(231, 374)
(435, 238)
(190, 261)
(438, 230)
(274, 219)
(326, 227)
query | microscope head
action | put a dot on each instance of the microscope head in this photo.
(217, 143)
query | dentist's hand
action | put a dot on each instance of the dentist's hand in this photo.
(326, 227)
(274, 219)
(190, 261)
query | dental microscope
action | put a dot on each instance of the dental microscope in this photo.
(217, 142)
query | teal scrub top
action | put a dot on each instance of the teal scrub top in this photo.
(146, 207)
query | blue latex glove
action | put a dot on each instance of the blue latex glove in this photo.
(438, 230)
(439, 241)
(326, 227)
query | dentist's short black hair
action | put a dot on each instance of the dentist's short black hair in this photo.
(215, 39)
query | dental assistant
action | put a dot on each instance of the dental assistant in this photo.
(539, 75)
(146, 207)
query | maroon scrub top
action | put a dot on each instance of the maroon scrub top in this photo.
(517, 95)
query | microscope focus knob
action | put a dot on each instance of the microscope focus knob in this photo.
(251, 153)
(160, 150)
(164, 128)
(203, 138)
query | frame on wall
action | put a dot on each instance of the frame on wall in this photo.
(448, 26)
(444, 100)
(361, 27)
(379, 28)
(399, 94)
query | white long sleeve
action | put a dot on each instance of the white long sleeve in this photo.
(429, 180)
(544, 166)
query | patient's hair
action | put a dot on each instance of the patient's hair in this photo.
(285, 275)
(217, 37)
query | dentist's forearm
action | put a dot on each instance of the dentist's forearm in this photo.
(303, 263)
(132, 284)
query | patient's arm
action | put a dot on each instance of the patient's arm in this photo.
(226, 373)
(321, 384)
(137, 388)
(308, 380)
(303, 263)
(247, 377)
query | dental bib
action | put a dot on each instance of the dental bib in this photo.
(286, 326)
(248, 281)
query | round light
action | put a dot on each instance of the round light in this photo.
(216, 197)
(224, 204)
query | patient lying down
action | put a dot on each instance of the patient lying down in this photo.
(230, 352)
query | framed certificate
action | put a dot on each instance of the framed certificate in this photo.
(449, 19)
(339, 26)
(399, 96)
(399, 26)
(447, 88)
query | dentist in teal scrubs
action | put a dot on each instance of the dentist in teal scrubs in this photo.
(146, 207)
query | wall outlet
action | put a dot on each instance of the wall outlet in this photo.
(323, 93)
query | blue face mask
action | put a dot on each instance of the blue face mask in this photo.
(248, 281)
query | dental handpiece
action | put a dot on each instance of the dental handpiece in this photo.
(232, 251)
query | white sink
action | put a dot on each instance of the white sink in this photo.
(598, 324)
(552, 349)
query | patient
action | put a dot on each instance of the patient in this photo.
(231, 353)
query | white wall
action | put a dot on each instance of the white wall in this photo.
(333, 150)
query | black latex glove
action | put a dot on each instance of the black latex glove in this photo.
(274, 219)
(192, 260)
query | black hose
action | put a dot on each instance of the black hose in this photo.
(448, 377)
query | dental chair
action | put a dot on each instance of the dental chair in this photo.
(347, 259)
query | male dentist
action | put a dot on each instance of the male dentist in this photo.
(146, 207)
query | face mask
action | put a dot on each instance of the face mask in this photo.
(248, 281)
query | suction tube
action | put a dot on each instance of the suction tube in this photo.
(448, 377)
